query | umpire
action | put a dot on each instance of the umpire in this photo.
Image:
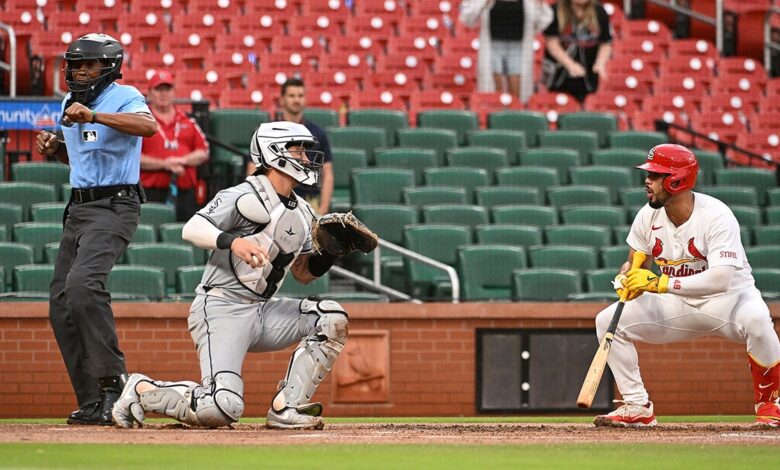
(102, 126)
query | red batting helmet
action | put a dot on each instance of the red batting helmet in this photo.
(677, 162)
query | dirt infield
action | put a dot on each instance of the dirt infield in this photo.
(340, 433)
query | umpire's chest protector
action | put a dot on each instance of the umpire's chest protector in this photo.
(284, 230)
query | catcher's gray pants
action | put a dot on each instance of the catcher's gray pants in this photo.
(95, 235)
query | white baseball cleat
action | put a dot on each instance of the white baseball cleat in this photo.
(629, 415)
(127, 410)
(291, 418)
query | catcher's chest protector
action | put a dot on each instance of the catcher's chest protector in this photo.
(286, 234)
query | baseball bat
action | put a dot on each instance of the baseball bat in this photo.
(599, 363)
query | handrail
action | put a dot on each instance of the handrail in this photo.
(769, 45)
(365, 282)
(672, 5)
(11, 65)
(453, 275)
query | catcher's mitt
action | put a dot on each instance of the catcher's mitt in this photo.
(341, 234)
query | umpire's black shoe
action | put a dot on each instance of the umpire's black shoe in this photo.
(87, 414)
(110, 389)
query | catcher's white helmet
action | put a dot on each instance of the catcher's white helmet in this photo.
(269, 149)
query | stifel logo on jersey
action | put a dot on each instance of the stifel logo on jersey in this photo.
(679, 267)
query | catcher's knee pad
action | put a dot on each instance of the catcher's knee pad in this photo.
(316, 354)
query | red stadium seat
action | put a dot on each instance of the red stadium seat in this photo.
(430, 27)
(278, 9)
(432, 99)
(288, 63)
(700, 48)
(634, 86)
(458, 45)
(147, 28)
(765, 143)
(374, 27)
(681, 83)
(722, 102)
(322, 26)
(341, 84)
(267, 80)
(206, 25)
(486, 103)
(156, 6)
(336, 11)
(254, 32)
(773, 87)
(307, 45)
(417, 45)
(648, 49)
(410, 64)
(189, 48)
(350, 63)
(553, 104)
(723, 126)
(635, 30)
(748, 89)
(399, 83)
(461, 83)
(433, 8)
(612, 102)
(249, 98)
(391, 11)
(376, 98)
(364, 46)
(741, 66)
(323, 98)
(766, 121)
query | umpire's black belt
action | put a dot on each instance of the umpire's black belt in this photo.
(102, 192)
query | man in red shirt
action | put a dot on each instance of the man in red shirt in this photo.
(170, 158)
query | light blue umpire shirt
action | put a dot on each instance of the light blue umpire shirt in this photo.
(100, 155)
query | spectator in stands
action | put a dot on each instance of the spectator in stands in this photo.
(578, 43)
(170, 158)
(292, 102)
(507, 29)
(103, 150)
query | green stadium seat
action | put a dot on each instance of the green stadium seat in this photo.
(344, 161)
(562, 160)
(390, 120)
(545, 284)
(52, 173)
(594, 236)
(630, 197)
(526, 214)
(490, 196)
(767, 256)
(642, 140)
(3, 234)
(171, 233)
(367, 139)
(12, 255)
(33, 277)
(488, 158)
(292, 288)
(50, 251)
(424, 195)
(440, 140)
(747, 216)
(621, 158)
(613, 178)
(773, 215)
(322, 117)
(508, 234)
(583, 142)
(510, 141)
(767, 234)
(530, 122)
(409, 158)
(143, 283)
(609, 216)
(600, 123)
(2, 269)
(773, 196)
(561, 196)
(709, 163)
(461, 177)
(768, 282)
(144, 233)
(168, 256)
(581, 258)
(26, 194)
(380, 185)
(600, 280)
(388, 222)
(485, 271)
(65, 192)
(757, 178)
(48, 212)
(10, 215)
(621, 233)
(613, 257)
(234, 127)
(459, 121)
(156, 214)
(438, 242)
(187, 280)
(459, 214)
(731, 195)
(356, 297)
(538, 177)
(37, 235)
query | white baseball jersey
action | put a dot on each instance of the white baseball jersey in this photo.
(710, 237)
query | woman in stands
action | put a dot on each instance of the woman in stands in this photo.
(579, 43)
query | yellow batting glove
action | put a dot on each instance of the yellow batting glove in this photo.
(619, 284)
(646, 280)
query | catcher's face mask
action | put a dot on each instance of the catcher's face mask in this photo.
(288, 147)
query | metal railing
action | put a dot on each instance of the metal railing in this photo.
(717, 21)
(10, 66)
(370, 284)
(770, 45)
(453, 275)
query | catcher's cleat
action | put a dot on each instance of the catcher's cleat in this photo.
(768, 415)
(88, 414)
(629, 415)
(127, 409)
(292, 418)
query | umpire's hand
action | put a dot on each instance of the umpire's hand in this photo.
(78, 113)
(47, 144)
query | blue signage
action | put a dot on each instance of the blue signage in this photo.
(26, 114)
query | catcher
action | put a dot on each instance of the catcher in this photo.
(258, 230)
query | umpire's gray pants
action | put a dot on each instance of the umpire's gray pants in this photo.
(95, 235)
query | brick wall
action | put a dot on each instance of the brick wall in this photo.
(432, 359)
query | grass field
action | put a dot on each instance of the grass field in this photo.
(562, 452)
